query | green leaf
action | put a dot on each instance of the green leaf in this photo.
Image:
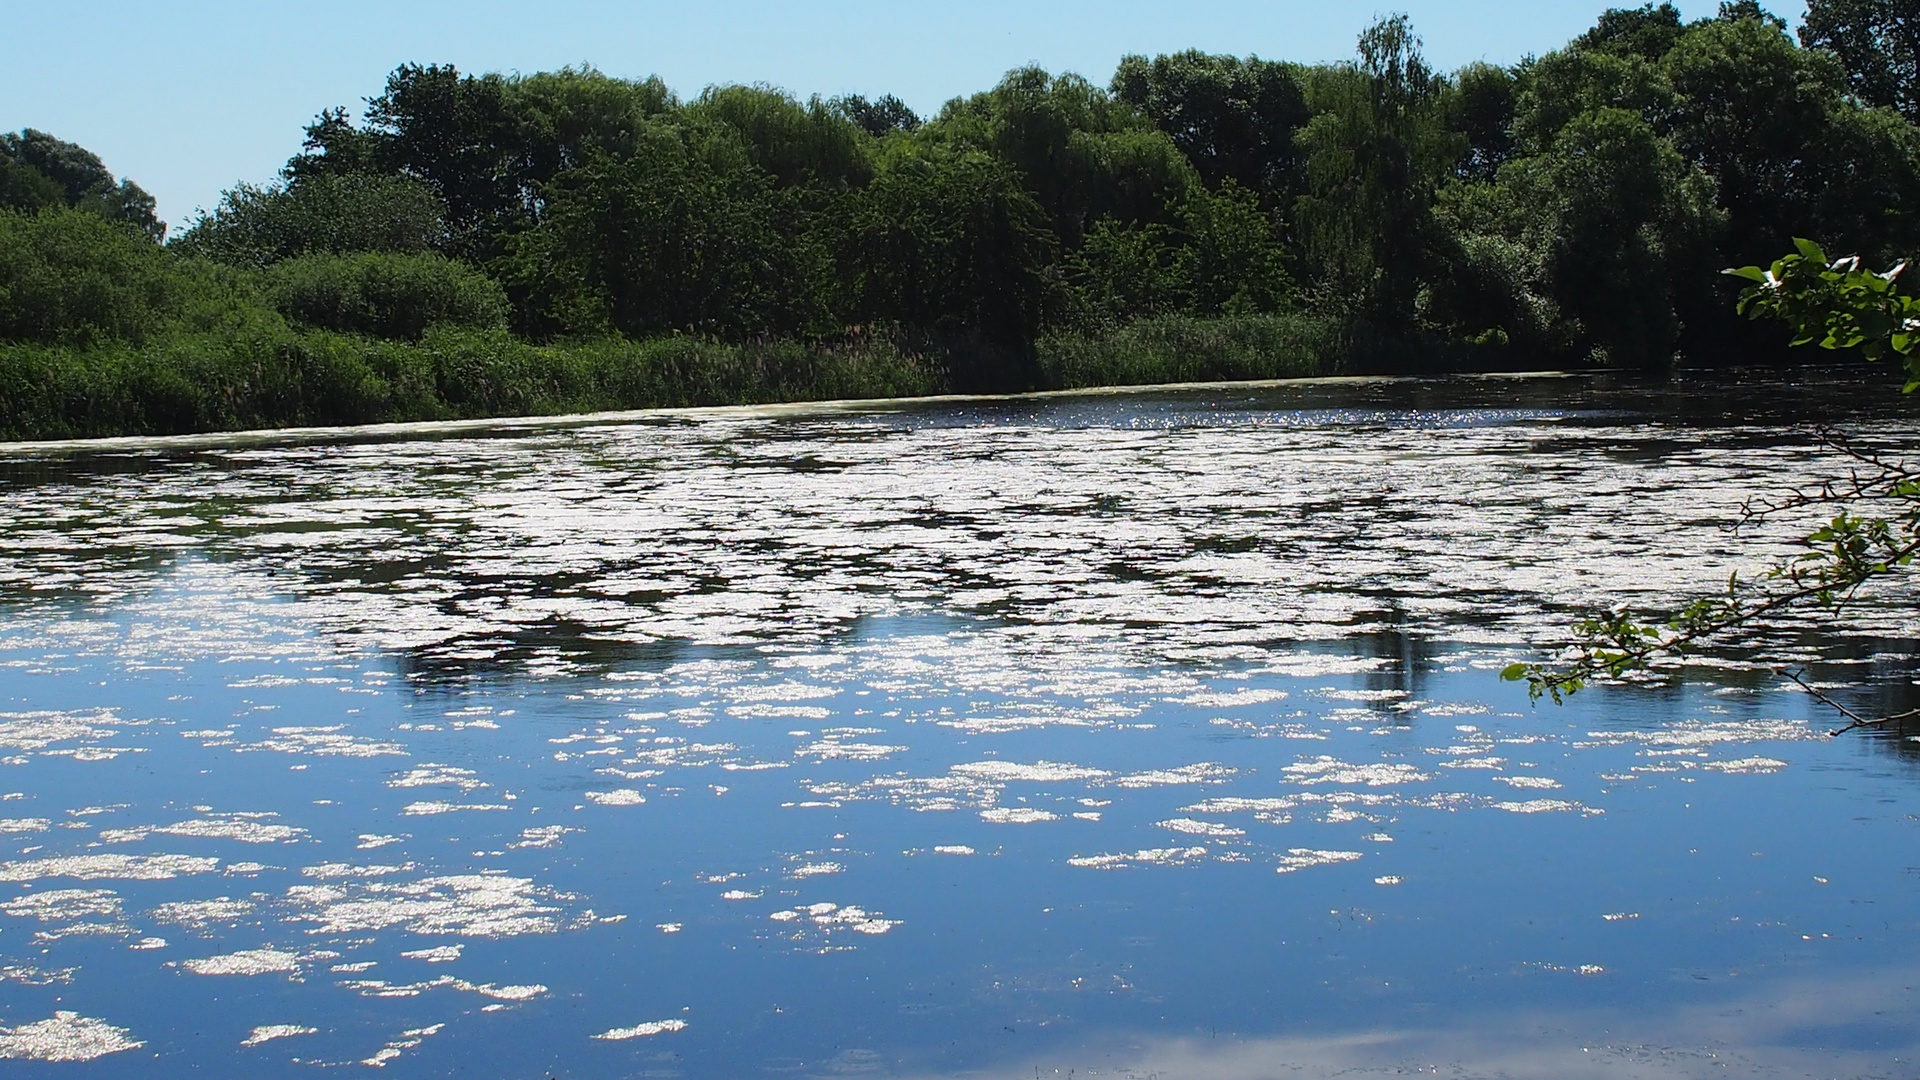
(1513, 672)
(1751, 273)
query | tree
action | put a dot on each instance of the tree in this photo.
(880, 117)
(810, 145)
(682, 234)
(1756, 114)
(70, 277)
(1378, 149)
(38, 170)
(1480, 105)
(1236, 263)
(386, 295)
(1878, 41)
(1584, 247)
(1234, 119)
(947, 249)
(456, 134)
(1646, 32)
(1082, 154)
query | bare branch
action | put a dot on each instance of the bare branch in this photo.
(1858, 721)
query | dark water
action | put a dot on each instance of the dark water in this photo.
(1126, 736)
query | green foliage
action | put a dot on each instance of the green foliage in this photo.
(1561, 86)
(1237, 263)
(1080, 153)
(212, 382)
(1562, 212)
(1499, 288)
(1879, 43)
(73, 277)
(1621, 217)
(1124, 272)
(948, 248)
(1181, 348)
(676, 236)
(23, 187)
(38, 171)
(1480, 105)
(880, 117)
(1836, 304)
(1378, 149)
(317, 214)
(385, 295)
(1234, 119)
(454, 132)
(1753, 111)
(1646, 32)
(811, 144)
(562, 118)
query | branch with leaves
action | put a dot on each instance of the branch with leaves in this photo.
(1835, 304)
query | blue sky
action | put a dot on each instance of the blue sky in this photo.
(187, 98)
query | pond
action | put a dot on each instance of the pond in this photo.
(1126, 735)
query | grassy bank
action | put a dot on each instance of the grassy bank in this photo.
(271, 377)
(188, 384)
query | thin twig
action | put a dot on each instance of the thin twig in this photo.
(1858, 721)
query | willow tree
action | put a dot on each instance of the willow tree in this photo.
(1377, 149)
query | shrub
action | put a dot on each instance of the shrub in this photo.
(69, 276)
(259, 226)
(386, 295)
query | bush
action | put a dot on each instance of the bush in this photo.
(260, 226)
(386, 295)
(69, 276)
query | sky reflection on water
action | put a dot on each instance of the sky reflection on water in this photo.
(1121, 735)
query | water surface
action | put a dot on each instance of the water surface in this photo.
(1119, 735)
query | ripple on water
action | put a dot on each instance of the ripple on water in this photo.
(643, 1031)
(108, 867)
(202, 915)
(61, 905)
(246, 962)
(66, 1036)
(458, 905)
(269, 1032)
(1330, 770)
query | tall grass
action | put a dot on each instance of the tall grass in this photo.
(1181, 348)
(206, 382)
(266, 374)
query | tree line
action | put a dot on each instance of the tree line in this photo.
(1570, 210)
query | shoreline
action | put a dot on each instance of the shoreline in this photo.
(400, 431)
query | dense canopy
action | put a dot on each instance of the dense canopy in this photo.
(1570, 210)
